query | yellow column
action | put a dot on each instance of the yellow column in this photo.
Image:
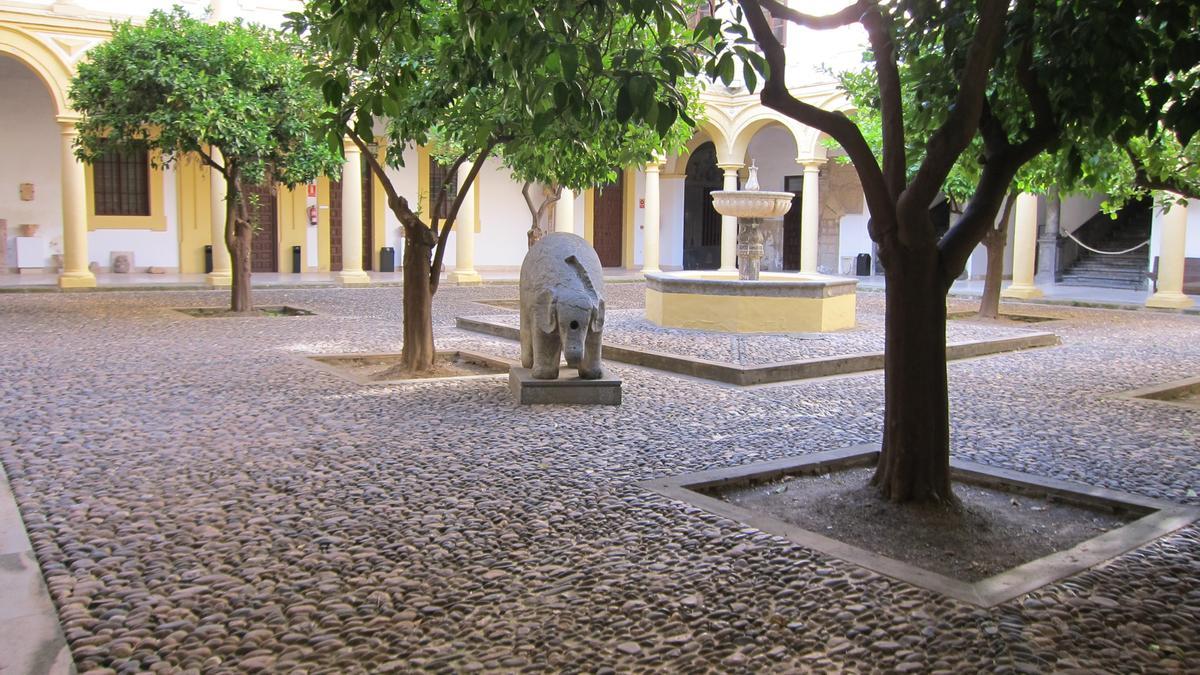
(729, 227)
(352, 253)
(75, 272)
(464, 235)
(221, 274)
(652, 219)
(1173, 229)
(564, 212)
(810, 217)
(1024, 249)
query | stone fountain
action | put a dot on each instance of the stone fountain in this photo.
(751, 301)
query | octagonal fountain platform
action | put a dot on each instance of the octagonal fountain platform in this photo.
(777, 302)
(748, 300)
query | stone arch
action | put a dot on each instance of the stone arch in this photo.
(756, 120)
(55, 75)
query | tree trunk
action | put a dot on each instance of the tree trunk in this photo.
(914, 465)
(994, 242)
(417, 353)
(238, 238)
(989, 304)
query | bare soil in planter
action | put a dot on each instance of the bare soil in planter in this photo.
(993, 531)
(1004, 317)
(225, 313)
(382, 367)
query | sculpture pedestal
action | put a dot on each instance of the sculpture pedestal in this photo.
(568, 389)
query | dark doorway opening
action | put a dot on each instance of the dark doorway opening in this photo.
(701, 222)
(791, 223)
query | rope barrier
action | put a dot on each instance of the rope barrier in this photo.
(1093, 250)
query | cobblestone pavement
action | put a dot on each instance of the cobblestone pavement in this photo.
(203, 500)
(629, 328)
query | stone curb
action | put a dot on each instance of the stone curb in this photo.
(785, 371)
(31, 638)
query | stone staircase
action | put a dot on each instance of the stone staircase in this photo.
(1125, 271)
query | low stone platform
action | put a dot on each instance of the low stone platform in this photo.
(568, 389)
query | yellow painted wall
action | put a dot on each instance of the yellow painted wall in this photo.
(324, 253)
(293, 226)
(743, 314)
(195, 214)
(589, 215)
(629, 204)
(156, 221)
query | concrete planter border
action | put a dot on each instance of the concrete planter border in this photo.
(1156, 518)
(1163, 394)
(784, 371)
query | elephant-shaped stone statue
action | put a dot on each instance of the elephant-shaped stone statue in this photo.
(562, 307)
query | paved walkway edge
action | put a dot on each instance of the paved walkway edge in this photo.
(31, 639)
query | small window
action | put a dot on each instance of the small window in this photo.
(121, 181)
(437, 176)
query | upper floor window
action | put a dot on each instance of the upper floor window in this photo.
(437, 177)
(121, 184)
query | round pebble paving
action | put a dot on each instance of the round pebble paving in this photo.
(202, 499)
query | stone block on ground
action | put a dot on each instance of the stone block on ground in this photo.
(568, 389)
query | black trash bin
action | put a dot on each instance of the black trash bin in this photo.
(208, 258)
(862, 265)
(296, 267)
(387, 259)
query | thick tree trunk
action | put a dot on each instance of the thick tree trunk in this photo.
(417, 353)
(238, 238)
(989, 304)
(914, 465)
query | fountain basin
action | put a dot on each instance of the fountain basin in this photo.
(752, 203)
(778, 302)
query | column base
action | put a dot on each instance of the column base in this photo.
(732, 269)
(1021, 292)
(218, 279)
(69, 280)
(1170, 301)
(465, 278)
(352, 278)
(647, 269)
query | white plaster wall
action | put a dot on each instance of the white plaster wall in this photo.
(1075, 211)
(503, 219)
(150, 249)
(773, 150)
(31, 140)
(853, 237)
(670, 238)
(405, 181)
(639, 219)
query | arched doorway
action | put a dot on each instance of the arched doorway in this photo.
(701, 222)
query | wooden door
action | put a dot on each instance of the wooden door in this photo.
(264, 249)
(335, 226)
(791, 223)
(608, 222)
(368, 214)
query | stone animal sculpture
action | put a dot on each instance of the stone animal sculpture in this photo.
(562, 307)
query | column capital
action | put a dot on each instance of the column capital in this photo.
(68, 124)
(734, 166)
(349, 145)
(653, 166)
(811, 163)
